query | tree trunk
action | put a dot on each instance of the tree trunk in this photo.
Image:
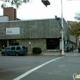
(76, 45)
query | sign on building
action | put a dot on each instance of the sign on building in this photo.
(12, 31)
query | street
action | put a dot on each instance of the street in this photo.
(39, 67)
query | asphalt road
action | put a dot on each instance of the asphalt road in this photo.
(39, 67)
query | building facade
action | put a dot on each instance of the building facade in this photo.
(4, 18)
(43, 33)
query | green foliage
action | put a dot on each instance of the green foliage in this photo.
(36, 50)
(3, 5)
(17, 3)
(75, 28)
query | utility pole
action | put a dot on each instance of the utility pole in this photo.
(62, 28)
(46, 2)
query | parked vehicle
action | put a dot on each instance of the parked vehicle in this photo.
(14, 50)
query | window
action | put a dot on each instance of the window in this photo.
(12, 48)
(52, 43)
(17, 48)
(23, 47)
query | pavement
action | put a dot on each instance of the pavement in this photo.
(74, 53)
(50, 53)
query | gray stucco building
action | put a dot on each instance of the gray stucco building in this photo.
(44, 33)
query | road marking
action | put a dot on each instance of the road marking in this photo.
(34, 69)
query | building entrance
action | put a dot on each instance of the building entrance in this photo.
(52, 43)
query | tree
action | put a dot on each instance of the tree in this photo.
(75, 30)
(17, 3)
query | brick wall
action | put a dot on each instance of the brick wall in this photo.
(10, 12)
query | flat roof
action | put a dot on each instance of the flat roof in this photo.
(29, 20)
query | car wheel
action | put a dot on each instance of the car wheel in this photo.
(17, 54)
(3, 54)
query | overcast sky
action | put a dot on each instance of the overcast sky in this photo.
(36, 9)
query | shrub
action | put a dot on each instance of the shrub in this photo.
(36, 50)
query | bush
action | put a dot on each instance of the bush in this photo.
(36, 50)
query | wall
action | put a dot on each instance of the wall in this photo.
(47, 28)
(30, 43)
(72, 38)
(34, 31)
(4, 18)
(10, 12)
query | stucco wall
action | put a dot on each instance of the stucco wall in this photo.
(30, 43)
(47, 28)
(72, 38)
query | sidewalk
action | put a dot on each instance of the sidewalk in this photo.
(74, 53)
(50, 53)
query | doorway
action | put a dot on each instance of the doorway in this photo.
(52, 43)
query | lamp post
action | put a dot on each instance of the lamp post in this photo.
(62, 28)
(46, 2)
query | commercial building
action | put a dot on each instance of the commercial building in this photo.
(43, 33)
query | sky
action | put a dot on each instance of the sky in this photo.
(36, 9)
